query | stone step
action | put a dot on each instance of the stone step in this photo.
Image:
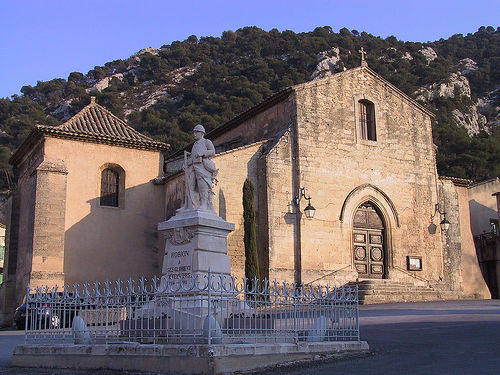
(380, 282)
(409, 297)
(372, 291)
(396, 291)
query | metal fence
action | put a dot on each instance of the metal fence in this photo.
(209, 309)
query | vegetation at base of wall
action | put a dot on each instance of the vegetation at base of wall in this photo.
(164, 92)
(250, 233)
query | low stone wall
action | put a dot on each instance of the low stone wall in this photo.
(178, 359)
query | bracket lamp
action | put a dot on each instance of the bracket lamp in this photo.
(444, 224)
(309, 210)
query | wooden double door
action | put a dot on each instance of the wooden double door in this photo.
(368, 243)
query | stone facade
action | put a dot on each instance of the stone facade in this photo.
(309, 136)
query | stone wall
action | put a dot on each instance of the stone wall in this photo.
(47, 259)
(262, 126)
(461, 268)
(281, 224)
(397, 173)
(473, 283)
(26, 194)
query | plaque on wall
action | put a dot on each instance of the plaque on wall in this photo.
(414, 263)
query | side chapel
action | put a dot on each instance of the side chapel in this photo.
(84, 208)
(92, 190)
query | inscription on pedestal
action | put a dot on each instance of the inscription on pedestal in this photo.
(178, 261)
(196, 243)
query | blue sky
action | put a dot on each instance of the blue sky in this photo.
(42, 40)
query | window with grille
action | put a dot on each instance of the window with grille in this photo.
(110, 180)
(367, 120)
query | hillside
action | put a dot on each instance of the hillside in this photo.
(164, 92)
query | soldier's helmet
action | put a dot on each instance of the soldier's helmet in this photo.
(199, 128)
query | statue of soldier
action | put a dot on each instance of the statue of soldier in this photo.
(200, 172)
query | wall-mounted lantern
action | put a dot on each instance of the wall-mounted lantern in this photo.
(309, 210)
(444, 224)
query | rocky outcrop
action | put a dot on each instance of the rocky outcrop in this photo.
(62, 111)
(150, 50)
(490, 105)
(104, 83)
(148, 93)
(407, 56)
(429, 54)
(473, 121)
(330, 64)
(465, 66)
(455, 86)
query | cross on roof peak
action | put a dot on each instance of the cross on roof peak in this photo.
(363, 57)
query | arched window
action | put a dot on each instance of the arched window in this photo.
(110, 182)
(367, 126)
(112, 186)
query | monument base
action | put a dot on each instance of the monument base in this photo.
(195, 257)
(199, 359)
(196, 242)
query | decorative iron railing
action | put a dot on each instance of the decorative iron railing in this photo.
(204, 309)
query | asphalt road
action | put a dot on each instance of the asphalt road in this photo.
(435, 338)
(438, 338)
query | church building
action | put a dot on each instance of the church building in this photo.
(362, 151)
(351, 148)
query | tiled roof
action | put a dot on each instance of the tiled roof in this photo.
(93, 123)
(457, 181)
(97, 122)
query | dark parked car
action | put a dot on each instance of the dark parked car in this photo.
(46, 317)
(20, 316)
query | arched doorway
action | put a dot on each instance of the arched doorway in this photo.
(369, 249)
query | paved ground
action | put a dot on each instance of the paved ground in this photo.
(442, 338)
(458, 337)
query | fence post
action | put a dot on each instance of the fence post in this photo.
(357, 312)
(294, 301)
(27, 314)
(209, 320)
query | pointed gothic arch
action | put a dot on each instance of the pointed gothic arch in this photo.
(369, 192)
(384, 207)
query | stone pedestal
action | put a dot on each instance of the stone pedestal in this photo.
(196, 246)
(196, 242)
